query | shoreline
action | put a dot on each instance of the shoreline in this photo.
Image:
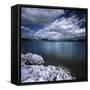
(39, 72)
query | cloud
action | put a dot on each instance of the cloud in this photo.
(26, 32)
(40, 16)
(63, 28)
(55, 24)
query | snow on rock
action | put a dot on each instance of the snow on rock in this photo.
(38, 73)
(32, 70)
(30, 58)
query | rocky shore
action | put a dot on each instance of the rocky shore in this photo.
(33, 70)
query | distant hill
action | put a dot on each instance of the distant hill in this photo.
(28, 39)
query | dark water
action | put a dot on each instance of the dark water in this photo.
(69, 54)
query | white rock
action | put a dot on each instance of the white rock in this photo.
(37, 73)
(30, 58)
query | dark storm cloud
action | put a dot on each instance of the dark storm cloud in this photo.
(40, 16)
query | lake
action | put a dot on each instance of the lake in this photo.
(68, 54)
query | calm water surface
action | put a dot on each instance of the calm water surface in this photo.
(68, 54)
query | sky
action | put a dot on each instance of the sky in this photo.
(53, 24)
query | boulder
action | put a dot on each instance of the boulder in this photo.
(30, 58)
(37, 73)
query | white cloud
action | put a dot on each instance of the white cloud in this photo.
(54, 26)
(26, 32)
(62, 29)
